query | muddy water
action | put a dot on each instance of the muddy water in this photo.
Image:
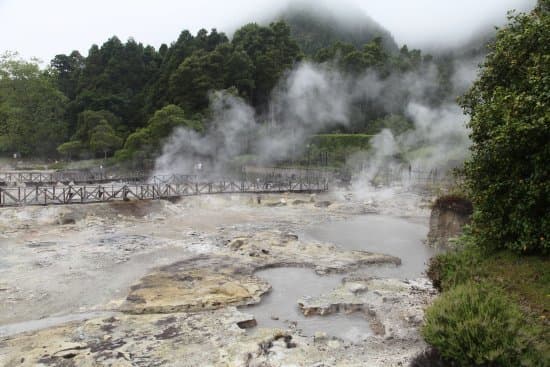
(401, 237)
(396, 236)
(279, 308)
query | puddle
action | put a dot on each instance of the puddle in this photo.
(376, 233)
(289, 285)
(389, 235)
(33, 325)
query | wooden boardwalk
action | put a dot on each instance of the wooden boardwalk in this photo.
(77, 177)
(157, 188)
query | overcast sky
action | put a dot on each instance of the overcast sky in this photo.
(44, 28)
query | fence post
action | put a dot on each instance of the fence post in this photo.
(125, 193)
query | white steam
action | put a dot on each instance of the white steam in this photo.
(309, 99)
(313, 98)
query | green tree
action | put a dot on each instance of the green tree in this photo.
(272, 51)
(71, 148)
(115, 77)
(166, 119)
(240, 73)
(103, 139)
(147, 141)
(32, 109)
(88, 120)
(67, 69)
(199, 74)
(508, 175)
(162, 90)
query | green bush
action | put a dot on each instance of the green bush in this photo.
(338, 146)
(456, 266)
(476, 325)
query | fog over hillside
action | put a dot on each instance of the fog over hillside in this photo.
(46, 28)
(316, 24)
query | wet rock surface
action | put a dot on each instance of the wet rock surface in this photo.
(172, 274)
(393, 307)
(448, 216)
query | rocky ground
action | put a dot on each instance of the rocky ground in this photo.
(160, 284)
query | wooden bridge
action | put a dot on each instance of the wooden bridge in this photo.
(156, 188)
(33, 178)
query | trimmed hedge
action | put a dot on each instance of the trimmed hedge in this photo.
(337, 141)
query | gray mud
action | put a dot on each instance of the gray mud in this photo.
(401, 237)
(279, 308)
(59, 283)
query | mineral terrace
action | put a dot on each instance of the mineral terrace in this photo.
(163, 284)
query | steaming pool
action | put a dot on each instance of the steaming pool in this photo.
(401, 237)
(397, 236)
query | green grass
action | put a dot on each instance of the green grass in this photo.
(524, 278)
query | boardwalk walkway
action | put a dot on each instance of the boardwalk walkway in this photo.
(76, 177)
(156, 188)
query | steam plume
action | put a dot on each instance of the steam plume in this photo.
(313, 98)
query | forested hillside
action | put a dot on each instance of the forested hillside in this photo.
(126, 98)
(314, 26)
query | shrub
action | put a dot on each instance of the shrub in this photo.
(456, 266)
(476, 325)
(430, 358)
(507, 175)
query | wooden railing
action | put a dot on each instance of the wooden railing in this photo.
(78, 194)
(50, 178)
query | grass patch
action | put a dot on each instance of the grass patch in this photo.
(525, 278)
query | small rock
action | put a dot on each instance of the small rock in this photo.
(334, 344)
(322, 204)
(357, 288)
(247, 324)
(320, 336)
(236, 244)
